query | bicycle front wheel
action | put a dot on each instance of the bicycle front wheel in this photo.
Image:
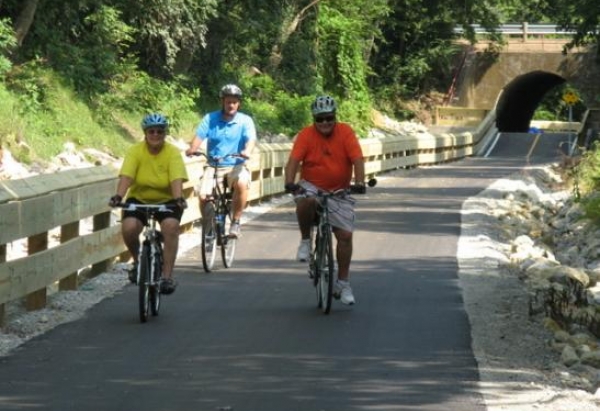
(325, 264)
(145, 265)
(155, 281)
(209, 244)
(228, 245)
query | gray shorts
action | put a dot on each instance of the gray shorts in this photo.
(234, 174)
(341, 209)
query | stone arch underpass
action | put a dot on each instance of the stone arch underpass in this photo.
(514, 83)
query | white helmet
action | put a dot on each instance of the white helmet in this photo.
(230, 90)
(323, 104)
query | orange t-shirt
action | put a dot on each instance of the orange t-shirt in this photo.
(327, 161)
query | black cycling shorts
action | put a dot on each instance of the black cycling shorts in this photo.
(141, 215)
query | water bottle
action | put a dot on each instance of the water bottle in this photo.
(221, 222)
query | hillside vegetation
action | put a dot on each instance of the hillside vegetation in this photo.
(87, 71)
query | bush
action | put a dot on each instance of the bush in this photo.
(7, 42)
(139, 93)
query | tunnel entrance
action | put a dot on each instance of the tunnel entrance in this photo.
(520, 98)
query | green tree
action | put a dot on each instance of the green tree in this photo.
(169, 33)
(583, 16)
(87, 42)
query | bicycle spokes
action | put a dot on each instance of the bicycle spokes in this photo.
(209, 245)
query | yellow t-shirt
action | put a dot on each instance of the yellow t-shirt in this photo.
(152, 174)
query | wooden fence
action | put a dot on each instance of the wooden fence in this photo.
(48, 212)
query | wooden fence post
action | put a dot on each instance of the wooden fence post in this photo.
(37, 299)
(68, 232)
(101, 221)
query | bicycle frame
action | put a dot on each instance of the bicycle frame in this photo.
(218, 212)
(150, 260)
(322, 265)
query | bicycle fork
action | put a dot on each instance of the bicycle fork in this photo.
(155, 263)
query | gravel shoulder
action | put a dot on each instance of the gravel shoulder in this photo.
(519, 370)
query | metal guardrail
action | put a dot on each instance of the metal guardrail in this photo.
(520, 29)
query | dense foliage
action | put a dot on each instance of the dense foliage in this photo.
(120, 58)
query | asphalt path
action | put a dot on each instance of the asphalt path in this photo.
(250, 338)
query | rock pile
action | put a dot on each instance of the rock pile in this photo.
(555, 251)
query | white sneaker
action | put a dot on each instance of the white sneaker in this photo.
(303, 250)
(343, 292)
(235, 231)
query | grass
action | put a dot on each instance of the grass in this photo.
(41, 122)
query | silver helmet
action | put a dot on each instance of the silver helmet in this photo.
(230, 90)
(323, 104)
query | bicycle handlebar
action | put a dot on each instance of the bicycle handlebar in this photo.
(218, 159)
(353, 189)
(145, 207)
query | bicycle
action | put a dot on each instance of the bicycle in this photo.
(321, 266)
(150, 259)
(219, 215)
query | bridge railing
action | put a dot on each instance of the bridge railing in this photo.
(523, 31)
(66, 230)
(522, 37)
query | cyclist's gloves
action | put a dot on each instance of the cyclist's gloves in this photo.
(358, 189)
(181, 203)
(291, 187)
(115, 200)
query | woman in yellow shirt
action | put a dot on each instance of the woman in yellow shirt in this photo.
(153, 172)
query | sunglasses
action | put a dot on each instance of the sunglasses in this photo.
(159, 131)
(328, 119)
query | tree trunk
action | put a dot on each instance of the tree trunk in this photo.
(286, 31)
(25, 19)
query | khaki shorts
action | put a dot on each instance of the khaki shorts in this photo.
(341, 209)
(239, 173)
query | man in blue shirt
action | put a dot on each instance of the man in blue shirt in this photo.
(227, 131)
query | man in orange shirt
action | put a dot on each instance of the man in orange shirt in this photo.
(327, 153)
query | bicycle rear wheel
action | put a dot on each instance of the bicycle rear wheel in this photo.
(145, 265)
(155, 281)
(209, 245)
(324, 266)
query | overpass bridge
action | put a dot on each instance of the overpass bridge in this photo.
(513, 78)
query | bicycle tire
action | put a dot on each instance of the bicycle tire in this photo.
(145, 266)
(316, 268)
(228, 246)
(326, 270)
(209, 245)
(155, 280)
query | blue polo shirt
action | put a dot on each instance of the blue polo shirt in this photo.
(226, 137)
